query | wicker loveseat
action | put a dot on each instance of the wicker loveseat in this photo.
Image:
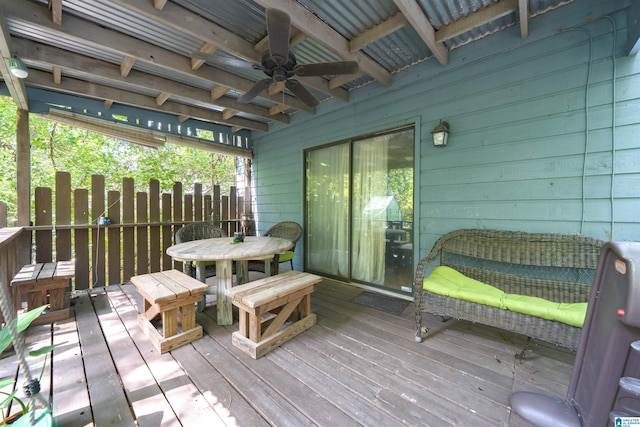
(556, 267)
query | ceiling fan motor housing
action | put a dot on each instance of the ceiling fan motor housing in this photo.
(274, 67)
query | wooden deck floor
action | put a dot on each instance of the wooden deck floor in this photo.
(357, 366)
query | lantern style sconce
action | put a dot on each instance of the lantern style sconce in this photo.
(440, 134)
(18, 68)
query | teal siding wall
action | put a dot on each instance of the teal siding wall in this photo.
(524, 153)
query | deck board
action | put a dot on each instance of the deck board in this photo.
(109, 404)
(357, 366)
(71, 404)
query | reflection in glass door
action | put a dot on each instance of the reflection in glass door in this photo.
(359, 210)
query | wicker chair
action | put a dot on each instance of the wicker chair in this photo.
(198, 231)
(289, 230)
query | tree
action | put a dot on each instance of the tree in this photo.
(57, 147)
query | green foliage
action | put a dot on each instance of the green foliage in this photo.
(21, 323)
(56, 147)
(400, 185)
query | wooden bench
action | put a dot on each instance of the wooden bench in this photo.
(266, 304)
(46, 283)
(170, 295)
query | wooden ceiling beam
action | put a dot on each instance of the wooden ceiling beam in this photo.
(205, 48)
(474, 20)
(523, 9)
(146, 137)
(57, 74)
(126, 65)
(76, 87)
(277, 108)
(162, 98)
(159, 4)
(137, 80)
(56, 11)
(219, 91)
(228, 113)
(416, 17)
(181, 19)
(381, 30)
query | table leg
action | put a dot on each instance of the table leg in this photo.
(242, 272)
(201, 276)
(224, 274)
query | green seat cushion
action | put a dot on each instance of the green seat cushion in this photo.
(449, 282)
(286, 257)
(570, 314)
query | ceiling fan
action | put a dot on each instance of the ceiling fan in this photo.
(279, 63)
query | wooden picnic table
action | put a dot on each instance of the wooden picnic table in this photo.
(224, 251)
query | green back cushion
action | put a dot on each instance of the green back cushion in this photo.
(449, 282)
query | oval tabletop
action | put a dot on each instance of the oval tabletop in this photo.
(224, 248)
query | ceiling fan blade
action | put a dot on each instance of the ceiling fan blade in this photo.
(279, 30)
(327, 68)
(222, 60)
(254, 91)
(301, 92)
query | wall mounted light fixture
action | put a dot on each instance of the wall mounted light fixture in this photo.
(18, 68)
(440, 134)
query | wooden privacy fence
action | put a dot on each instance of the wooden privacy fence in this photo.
(143, 225)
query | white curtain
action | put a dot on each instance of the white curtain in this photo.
(328, 210)
(370, 174)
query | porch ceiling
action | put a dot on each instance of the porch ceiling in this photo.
(140, 53)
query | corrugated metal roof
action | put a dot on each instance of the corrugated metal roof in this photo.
(394, 52)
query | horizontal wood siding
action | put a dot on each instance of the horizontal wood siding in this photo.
(524, 153)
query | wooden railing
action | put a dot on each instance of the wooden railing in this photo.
(142, 226)
(14, 241)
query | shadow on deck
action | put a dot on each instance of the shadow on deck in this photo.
(357, 366)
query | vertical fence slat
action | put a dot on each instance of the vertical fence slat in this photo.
(188, 207)
(207, 207)
(128, 239)
(167, 234)
(115, 270)
(142, 241)
(216, 217)
(249, 225)
(3, 214)
(225, 214)
(81, 216)
(97, 234)
(44, 239)
(177, 214)
(63, 215)
(233, 210)
(197, 201)
(154, 230)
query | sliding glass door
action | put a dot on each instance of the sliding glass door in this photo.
(359, 210)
